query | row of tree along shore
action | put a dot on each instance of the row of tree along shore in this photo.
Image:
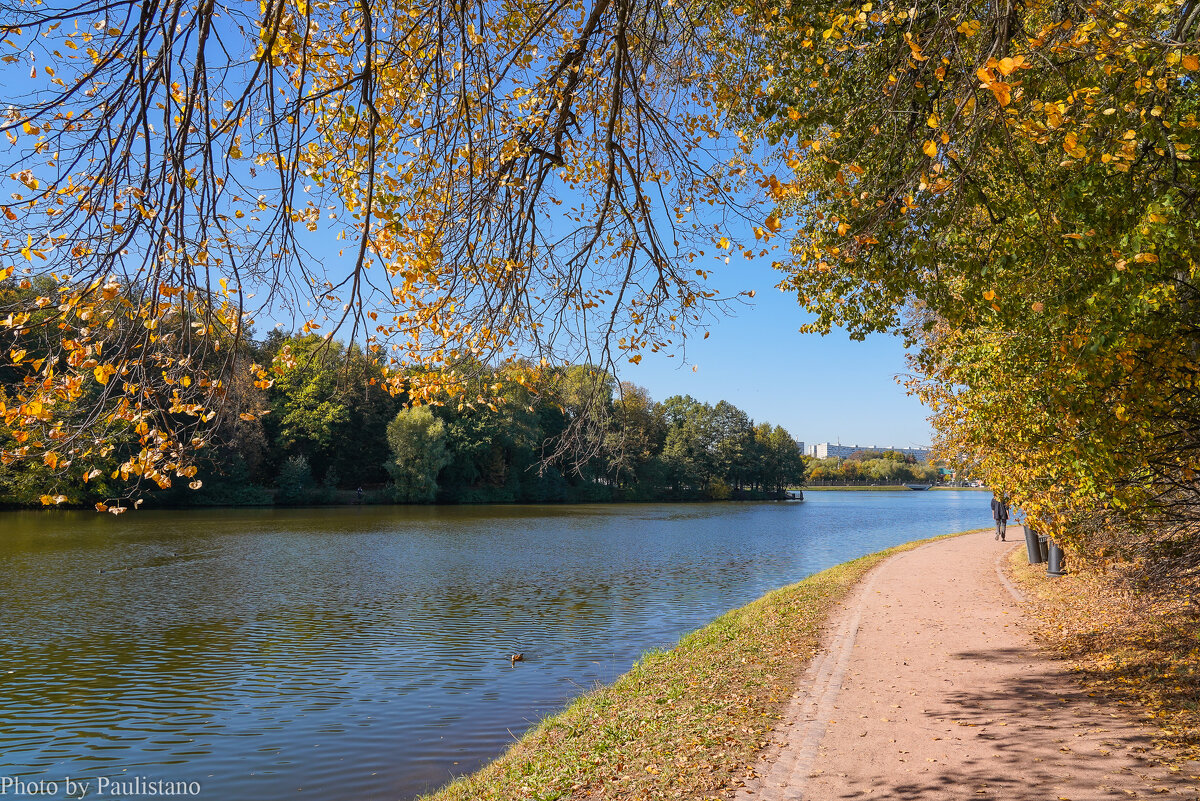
(872, 467)
(332, 429)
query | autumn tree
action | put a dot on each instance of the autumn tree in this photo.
(1012, 187)
(450, 185)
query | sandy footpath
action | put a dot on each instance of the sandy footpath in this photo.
(928, 687)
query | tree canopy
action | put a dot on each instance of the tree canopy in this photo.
(1012, 187)
(504, 182)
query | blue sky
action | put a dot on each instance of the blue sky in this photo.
(818, 388)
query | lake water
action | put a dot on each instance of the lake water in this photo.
(363, 652)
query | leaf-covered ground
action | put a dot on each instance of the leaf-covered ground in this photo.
(1142, 653)
(686, 723)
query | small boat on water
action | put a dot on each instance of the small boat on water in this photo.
(918, 486)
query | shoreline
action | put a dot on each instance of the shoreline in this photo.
(887, 488)
(683, 722)
(348, 498)
(338, 504)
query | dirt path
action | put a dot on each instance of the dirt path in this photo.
(928, 688)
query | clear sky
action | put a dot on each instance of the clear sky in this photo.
(821, 389)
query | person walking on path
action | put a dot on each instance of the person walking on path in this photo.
(1000, 515)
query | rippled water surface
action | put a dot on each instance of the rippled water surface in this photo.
(363, 652)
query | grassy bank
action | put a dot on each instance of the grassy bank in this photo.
(1142, 653)
(686, 723)
(858, 488)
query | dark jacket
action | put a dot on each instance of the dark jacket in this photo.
(999, 510)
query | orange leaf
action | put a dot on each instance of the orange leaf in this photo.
(1072, 146)
(1008, 65)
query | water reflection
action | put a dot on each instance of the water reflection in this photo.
(363, 652)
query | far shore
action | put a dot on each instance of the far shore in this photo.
(879, 488)
(339, 498)
(377, 497)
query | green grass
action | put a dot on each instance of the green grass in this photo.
(683, 723)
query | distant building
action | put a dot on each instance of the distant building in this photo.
(800, 445)
(826, 450)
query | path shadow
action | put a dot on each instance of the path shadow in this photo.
(1043, 738)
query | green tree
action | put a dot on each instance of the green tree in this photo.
(329, 405)
(418, 442)
(295, 482)
(786, 459)
(735, 451)
(584, 393)
(369, 408)
(689, 447)
(308, 409)
(635, 437)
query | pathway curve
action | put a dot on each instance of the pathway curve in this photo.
(929, 688)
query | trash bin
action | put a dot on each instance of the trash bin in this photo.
(1043, 548)
(1032, 549)
(1055, 561)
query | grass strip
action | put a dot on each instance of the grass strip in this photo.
(686, 723)
(854, 488)
(1142, 653)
